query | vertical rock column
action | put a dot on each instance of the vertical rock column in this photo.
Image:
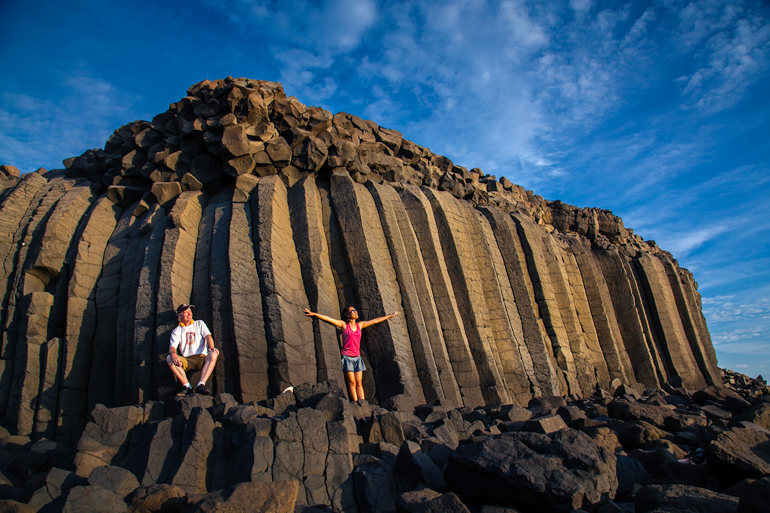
(534, 335)
(603, 314)
(34, 309)
(314, 258)
(221, 325)
(388, 204)
(12, 219)
(50, 381)
(146, 279)
(453, 332)
(289, 331)
(129, 278)
(27, 235)
(558, 262)
(102, 377)
(665, 316)
(538, 254)
(694, 303)
(375, 283)
(81, 319)
(646, 365)
(342, 278)
(201, 288)
(457, 244)
(427, 304)
(504, 318)
(250, 350)
(584, 317)
(175, 280)
(703, 352)
(44, 269)
(455, 234)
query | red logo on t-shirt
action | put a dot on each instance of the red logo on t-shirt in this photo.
(190, 338)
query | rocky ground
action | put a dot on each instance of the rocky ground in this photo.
(628, 450)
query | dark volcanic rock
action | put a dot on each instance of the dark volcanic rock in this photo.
(279, 497)
(683, 499)
(564, 470)
(739, 453)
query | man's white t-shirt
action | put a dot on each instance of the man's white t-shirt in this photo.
(192, 339)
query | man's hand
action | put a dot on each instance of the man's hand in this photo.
(175, 358)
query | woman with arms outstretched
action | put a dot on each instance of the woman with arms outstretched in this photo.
(352, 364)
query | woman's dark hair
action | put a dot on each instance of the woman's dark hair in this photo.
(347, 311)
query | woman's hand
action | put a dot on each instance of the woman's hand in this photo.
(393, 315)
(308, 313)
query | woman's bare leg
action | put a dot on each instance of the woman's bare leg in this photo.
(359, 386)
(350, 378)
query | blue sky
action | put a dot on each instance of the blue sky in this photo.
(658, 111)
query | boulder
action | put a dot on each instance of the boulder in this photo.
(683, 499)
(633, 411)
(544, 425)
(115, 479)
(536, 472)
(717, 394)
(414, 467)
(739, 453)
(157, 498)
(759, 415)
(11, 506)
(88, 498)
(630, 472)
(376, 485)
(633, 434)
(429, 501)
(278, 497)
(756, 497)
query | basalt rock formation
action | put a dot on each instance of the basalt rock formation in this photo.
(252, 206)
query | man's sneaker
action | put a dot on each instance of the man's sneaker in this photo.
(202, 390)
(186, 392)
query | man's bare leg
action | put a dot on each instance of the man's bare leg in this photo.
(208, 366)
(350, 379)
(177, 371)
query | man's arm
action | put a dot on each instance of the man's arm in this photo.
(210, 344)
(366, 324)
(336, 322)
(174, 356)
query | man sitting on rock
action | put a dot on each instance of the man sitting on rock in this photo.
(192, 347)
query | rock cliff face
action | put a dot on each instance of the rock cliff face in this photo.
(253, 206)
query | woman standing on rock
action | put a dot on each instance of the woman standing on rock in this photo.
(352, 364)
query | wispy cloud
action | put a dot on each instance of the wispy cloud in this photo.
(732, 50)
(35, 132)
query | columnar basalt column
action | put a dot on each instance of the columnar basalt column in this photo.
(458, 349)
(534, 335)
(313, 253)
(385, 197)
(538, 257)
(374, 279)
(289, 332)
(666, 320)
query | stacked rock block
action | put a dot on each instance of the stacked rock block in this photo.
(253, 206)
(311, 450)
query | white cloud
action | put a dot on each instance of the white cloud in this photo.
(731, 48)
(37, 131)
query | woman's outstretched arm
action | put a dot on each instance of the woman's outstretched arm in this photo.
(366, 324)
(336, 322)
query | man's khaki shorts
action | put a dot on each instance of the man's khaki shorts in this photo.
(194, 362)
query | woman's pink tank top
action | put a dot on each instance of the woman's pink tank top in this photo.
(351, 341)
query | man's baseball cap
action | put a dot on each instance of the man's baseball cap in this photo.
(181, 308)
